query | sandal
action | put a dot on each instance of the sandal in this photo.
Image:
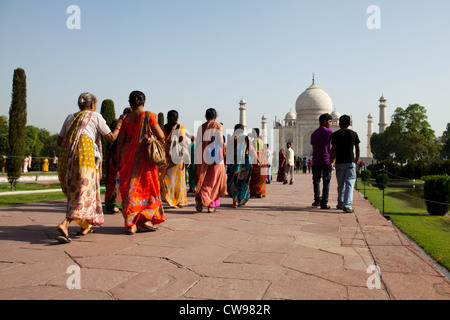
(62, 238)
(81, 234)
(147, 228)
(212, 210)
(130, 231)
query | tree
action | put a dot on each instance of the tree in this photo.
(408, 138)
(161, 119)
(4, 131)
(108, 112)
(445, 140)
(17, 123)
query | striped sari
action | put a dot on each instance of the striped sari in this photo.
(79, 173)
(139, 181)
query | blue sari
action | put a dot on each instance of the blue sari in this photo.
(239, 172)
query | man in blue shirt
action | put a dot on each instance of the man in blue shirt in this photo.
(321, 142)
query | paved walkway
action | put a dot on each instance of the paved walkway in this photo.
(278, 247)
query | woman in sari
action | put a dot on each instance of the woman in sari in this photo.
(258, 180)
(173, 176)
(209, 164)
(281, 166)
(191, 167)
(45, 164)
(80, 165)
(26, 163)
(239, 167)
(139, 180)
(112, 171)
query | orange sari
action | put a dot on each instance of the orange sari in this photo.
(139, 181)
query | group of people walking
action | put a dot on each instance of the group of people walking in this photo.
(143, 186)
(238, 168)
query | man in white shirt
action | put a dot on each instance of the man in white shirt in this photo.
(289, 171)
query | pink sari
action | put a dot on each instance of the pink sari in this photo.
(210, 175)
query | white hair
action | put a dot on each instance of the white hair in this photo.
(86, 100)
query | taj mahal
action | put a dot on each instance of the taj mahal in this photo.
(298, 126)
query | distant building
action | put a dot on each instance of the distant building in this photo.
(298, 126)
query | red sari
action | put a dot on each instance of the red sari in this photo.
(281, 167)
(139, 180)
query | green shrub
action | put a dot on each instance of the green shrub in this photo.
(437, 194)
(415, 169)
(382, 181)
(366, 175)
(440, 167)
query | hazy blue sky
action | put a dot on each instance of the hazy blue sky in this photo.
(192, 54)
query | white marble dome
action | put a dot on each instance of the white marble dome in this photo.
(336, 115)
(312, 103)
(291, 116)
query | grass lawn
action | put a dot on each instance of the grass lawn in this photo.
(29, 187)
(409, 214)
(13, 200)
(17, 199)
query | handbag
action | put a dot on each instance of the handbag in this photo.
(154, 149)
(175, 149)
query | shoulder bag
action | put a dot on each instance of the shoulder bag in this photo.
(154, 148)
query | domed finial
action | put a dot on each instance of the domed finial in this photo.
(314, 78)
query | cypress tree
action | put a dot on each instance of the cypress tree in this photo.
(108, 112)
(161, 119)
(17, 124)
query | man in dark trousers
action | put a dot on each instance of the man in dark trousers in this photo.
(321, 142)
(344, 141)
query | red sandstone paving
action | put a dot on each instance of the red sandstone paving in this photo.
(278, 247)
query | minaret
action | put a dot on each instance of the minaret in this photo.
(369, 135)
(383, 124)
(242, 109)
(264, 129)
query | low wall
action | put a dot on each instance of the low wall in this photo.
(32, 178)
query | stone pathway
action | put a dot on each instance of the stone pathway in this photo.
(278, 247)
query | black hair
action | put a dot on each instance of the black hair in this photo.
(137, 99)
(239, 126)
(172, 118)
(257, 131)
(344, 121)
(211, 114)
(325, 117)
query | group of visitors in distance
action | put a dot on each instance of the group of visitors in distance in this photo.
(239, 167)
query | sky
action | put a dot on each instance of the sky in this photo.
(190, 55)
